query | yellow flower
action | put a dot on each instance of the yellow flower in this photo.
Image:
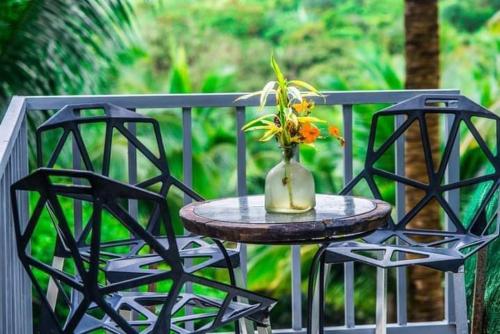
(303, 106)
(309, 132)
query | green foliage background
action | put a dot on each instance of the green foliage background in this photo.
(224, 46)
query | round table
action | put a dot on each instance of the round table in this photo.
(244, 219)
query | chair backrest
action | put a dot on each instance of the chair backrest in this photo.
(153, 286)
(102, 133)
(50, 223)
(468, 124)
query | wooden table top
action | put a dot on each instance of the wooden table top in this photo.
(244, 219)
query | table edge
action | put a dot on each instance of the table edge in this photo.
(286, 233)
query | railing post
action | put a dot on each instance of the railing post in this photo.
(241, 178)
(187, 151)
(77, 217)
(401, 282)
(133, 205)
(349, 318)
(25, 304)
(77, 204)
(187, 173)
(246, 326)
(453, 198)
(132, 169)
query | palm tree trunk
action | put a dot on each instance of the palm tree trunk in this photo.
(425, 298)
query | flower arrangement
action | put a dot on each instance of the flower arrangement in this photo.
(292, 122)
(289, 186)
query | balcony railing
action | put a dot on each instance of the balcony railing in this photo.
(15, 290)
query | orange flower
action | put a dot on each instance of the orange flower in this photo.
(303, 106)
(334, 131)
(309, 132)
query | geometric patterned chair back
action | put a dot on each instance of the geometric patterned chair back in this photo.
(102, 134)
(89, 300)
(477, 216)
(51, 223)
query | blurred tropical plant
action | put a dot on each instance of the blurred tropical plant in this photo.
(52, 47)
(57, 46)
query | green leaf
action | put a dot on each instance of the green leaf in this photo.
(257, 127)
(295, 94)
(179, 81)
(269, 134)
(257, 120)
(303, 84)
(277, 70)
(268, 89)
(247, 96)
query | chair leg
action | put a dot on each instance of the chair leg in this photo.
(266, 329)
(315, 313)
(460, 302)
(313, 291)
(246, 326)
(323, 272)
(381, 312)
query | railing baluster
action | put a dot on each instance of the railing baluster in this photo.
(15, 175)
(10, 260)
(187, 151)
(241, 178)
(296, 292)
(77, 211)
(23, 306)
(77, 204)
(25, 312)
(187, 175)
(246, 326)
(453, 198)
(348, 173)
(133, 205)
(132, 169)
(401, 282)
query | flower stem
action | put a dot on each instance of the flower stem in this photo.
(289, 183)
(288, 152)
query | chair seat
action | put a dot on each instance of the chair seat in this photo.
(121, 266)
(387, 249)
(147, 305)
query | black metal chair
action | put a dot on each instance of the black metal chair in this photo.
(398, 245)
(103, 295)
(75, 122)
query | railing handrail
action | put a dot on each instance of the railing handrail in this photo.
(196, 100)
(12, 125)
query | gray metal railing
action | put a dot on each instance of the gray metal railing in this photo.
(15, 294)
(15, 289)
